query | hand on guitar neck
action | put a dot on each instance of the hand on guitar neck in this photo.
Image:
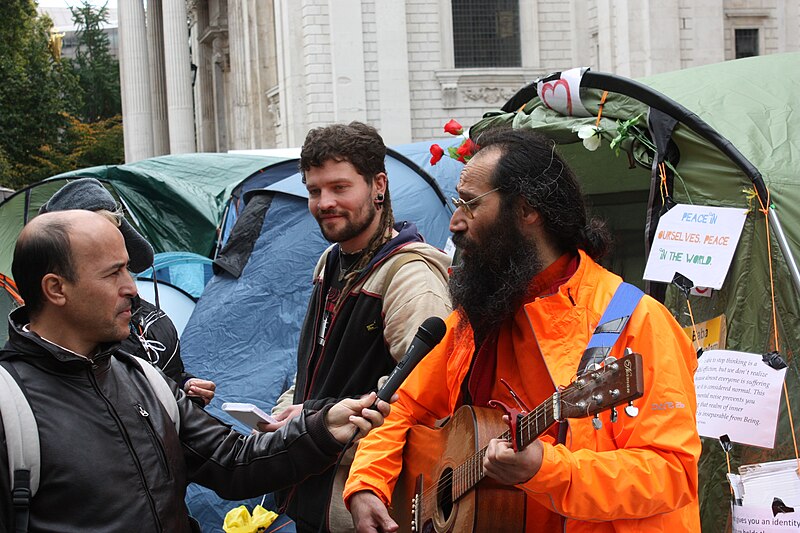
(505, 465)
(370, 514)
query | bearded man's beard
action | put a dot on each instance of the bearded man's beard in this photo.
(494, 276)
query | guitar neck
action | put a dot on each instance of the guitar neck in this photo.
(529, 428)
(616, 382)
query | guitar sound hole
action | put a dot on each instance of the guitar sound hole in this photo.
(444, 493)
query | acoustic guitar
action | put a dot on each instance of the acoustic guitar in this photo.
(440, 488)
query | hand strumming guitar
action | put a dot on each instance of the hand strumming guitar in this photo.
(370, 514)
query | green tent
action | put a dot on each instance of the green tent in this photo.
(726, 130)
(175, 201)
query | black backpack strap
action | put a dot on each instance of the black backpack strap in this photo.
(21, 495)
(22, 443)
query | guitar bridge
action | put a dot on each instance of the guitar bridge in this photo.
(416, 506)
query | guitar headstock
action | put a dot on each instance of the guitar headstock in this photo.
(616, 382)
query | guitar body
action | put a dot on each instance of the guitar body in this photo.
(424, 492)
(442, 487)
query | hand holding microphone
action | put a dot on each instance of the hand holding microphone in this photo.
(348, 412)
(429, 334)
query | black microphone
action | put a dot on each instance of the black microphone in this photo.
(429, 334)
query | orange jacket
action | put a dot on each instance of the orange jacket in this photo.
(638, 474)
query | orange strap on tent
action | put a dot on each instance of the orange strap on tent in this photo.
(662, 186)
(600, 109)
(11, 287)
(765, 209)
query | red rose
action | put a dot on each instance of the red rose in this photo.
(466, 150)
(453, 127)
(436, 153)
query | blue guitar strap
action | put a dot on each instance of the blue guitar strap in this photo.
(605, 335)
(611, 325)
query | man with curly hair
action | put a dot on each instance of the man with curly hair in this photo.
(372, 289)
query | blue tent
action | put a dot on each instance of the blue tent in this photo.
(259, 180)
(187, 270)
(244, 331)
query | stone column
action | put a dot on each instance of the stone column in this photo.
(292, 98)
(203, 87)
(663, 32)
(267, 66)
(137, 113)
(257, 34)
(706, 33)
(179, 78)
(158, 83)
(218, 85)
(394, 93)
(239, 75)
(347, 60)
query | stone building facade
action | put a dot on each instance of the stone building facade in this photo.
(261, 73)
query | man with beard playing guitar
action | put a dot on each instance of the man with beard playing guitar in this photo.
(527, 298)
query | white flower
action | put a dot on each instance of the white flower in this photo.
(591, 137)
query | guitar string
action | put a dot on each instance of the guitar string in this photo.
(465, 471)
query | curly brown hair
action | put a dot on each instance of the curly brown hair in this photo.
(359, 144)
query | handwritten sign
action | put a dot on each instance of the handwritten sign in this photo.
(760, 520)
(711, 334)
(737, 395)
(698, 242)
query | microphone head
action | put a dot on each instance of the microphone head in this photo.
(432, 331)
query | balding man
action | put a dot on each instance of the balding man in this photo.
(111, 457)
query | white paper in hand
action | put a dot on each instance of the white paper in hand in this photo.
(247, 414)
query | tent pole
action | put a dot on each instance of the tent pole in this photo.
(784, 245)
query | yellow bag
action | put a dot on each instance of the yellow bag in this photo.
(239, 520)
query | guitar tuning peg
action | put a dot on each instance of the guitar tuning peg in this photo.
(631, 410)
(614, 415)
(593, 367)
(610, 363)
(596, 422)
(628, 351)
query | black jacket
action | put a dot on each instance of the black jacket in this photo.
(355, 354)
(353, 359)
(111, 459)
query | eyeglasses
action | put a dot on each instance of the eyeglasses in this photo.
(465, 204)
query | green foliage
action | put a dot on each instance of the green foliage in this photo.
(32, 95)
(625, 130)
(55, 115)
(96, 71)
(83, 145)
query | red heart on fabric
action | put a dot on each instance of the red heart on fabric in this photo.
(551, 86)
